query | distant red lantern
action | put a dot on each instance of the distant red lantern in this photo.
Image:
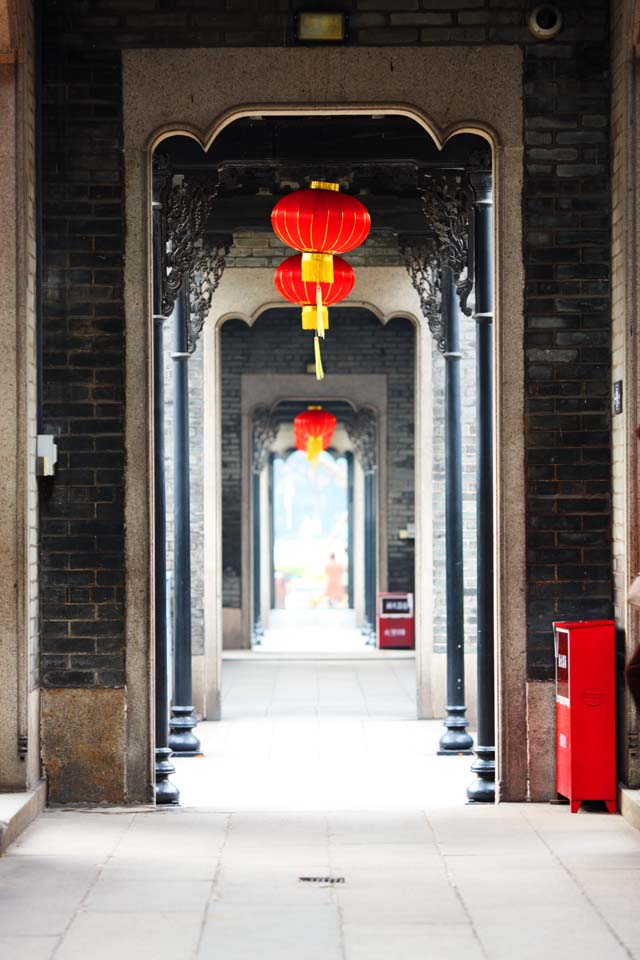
(320, 222)
(313, 297)
(312, 431)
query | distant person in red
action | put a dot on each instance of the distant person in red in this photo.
(335, 589)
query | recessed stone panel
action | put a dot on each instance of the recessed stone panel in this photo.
(83, 745)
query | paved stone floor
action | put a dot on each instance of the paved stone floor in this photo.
(291, 787)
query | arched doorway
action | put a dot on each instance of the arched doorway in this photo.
(147, 127)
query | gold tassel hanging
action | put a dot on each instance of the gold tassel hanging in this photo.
(317, 267)
(310, 317)
(316, 347)
(319, 311)
(314, 449)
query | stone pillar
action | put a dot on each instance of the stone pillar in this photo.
(19, 694)
(362, 432)
(264, 431)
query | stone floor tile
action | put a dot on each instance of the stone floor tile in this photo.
(423, 900)
(27, 948)
(268, 932)
(73, 833)
(412, 941)
(615, 894)
(161, 895)
(143, 936)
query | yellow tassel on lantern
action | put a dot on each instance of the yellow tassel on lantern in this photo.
(314, 449)
(310, 318)
(317, 267)
(316, 348)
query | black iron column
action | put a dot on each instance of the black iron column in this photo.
(182, 740)
(483, 788)
(257, 606)
(370, 551)
(166, 791)
(455, 740)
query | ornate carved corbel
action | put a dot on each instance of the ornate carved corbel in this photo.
(447, 202)
(264, 430)
(204, 278)
(362, 431)
(423, 266)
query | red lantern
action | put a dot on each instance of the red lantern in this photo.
(313, 297)
(312, 431)
(290, 285)
(320, 222)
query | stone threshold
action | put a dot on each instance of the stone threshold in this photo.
(629, 805)
(17, 810)
(364, 656)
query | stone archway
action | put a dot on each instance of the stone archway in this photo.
(185, 94)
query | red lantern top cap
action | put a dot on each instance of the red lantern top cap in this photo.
(324, 185)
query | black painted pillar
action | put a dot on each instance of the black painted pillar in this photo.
(483, 788)
(370, 578)
(455, 739)
(182, 740)
(166, 791)
(257, 606)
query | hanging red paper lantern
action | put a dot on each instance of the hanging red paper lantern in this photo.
(320, 222)
(313, 297)
(290, 285)
(312, 431)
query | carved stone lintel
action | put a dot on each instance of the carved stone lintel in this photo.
(205, 276)
(264, 429)
(447, 201)
(423, 266)
(362, 431)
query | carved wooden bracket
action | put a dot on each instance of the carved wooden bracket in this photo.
(185, 208)
(447, 200)
(424, 268)
(264, 429)
(362, 431)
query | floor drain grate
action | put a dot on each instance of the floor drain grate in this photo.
(321, 879)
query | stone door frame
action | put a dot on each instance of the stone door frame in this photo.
(197, 93)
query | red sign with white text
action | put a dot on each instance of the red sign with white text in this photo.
(395, 621)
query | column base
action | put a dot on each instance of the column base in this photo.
(455, 740)
(483, 789)
(182, 741)
(166, 791)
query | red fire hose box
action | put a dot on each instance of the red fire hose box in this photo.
(585, 711)
(395, 621)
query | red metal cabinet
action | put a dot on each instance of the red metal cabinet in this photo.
(395, 621)
(586, 712)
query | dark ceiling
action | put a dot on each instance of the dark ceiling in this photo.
(379, 158)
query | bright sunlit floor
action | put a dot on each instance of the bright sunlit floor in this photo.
(321, 825)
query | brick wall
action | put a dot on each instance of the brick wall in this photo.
(82, 523)
(566, 89)
(568, 443)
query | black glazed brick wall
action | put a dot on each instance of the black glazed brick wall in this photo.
(566, 243)
(567, 212)
(81, 508)
(357, 343)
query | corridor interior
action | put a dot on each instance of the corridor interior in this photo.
(321, 824)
